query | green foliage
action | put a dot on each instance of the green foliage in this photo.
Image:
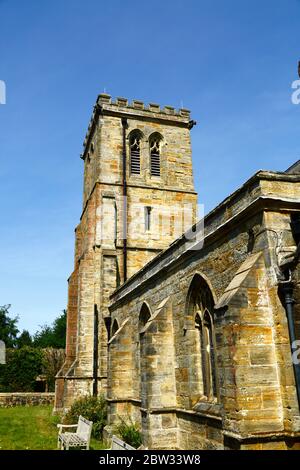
(25, 363)
(44, 337)
(129, 432)
(24, 339)
(60, 330)
(8, 327)
(92, 408)
(21, 369)
(52, 336)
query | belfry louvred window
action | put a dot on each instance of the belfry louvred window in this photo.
(135, 155)
(155, 156)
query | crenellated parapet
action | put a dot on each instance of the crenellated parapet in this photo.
(121, 103)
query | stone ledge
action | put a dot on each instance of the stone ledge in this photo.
(209, 409)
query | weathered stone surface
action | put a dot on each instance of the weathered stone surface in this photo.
(8, 400)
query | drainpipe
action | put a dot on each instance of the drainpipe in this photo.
(287, 291)
(95, 358)
(124, 126)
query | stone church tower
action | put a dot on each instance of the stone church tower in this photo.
(138, 197)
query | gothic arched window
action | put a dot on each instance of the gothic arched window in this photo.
(155, 153)
(201, 310)
(135, 152)
(144, 317)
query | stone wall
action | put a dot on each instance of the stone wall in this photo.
(256, 403)
(8, 400)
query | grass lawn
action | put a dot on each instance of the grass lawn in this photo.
(31, 428)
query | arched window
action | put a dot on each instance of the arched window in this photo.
(144, 317)
(114, 328)
(201, 309)
(155, 151)
(135, 152)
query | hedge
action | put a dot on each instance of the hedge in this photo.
(21, 369)
(25, 364)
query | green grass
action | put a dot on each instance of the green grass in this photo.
(31, 428)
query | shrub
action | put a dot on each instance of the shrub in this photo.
(129, 432)
(92, 408)
(21, 369)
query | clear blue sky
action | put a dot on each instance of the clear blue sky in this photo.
(231, 62)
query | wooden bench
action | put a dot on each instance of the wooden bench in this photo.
(80, 438)
(117, 444)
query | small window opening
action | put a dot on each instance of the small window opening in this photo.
(148, 218)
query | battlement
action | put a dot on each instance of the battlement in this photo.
(138, 110)
(123, 103)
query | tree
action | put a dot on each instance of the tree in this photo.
(8, 327)
(44, 337)
(60, 330)
(24, 339)
(52, 336)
